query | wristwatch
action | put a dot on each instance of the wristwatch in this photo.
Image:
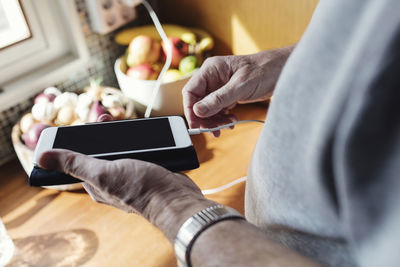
(195, 225)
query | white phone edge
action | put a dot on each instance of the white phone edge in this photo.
(177, 124)
(45, 143)
(179, 131)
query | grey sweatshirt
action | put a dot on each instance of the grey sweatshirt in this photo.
(325, 175)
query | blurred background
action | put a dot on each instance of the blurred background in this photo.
(238, 27)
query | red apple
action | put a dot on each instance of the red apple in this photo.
(142, 72)
(180, 49)
(143, 49)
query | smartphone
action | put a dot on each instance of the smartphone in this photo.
(163, 140)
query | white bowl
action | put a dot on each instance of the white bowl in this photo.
(169, 98)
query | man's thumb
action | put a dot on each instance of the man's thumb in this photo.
(66, 161)
(213, 103)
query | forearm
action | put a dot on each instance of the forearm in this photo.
(266, 67)
(239, 243)
(227, 243)
(272, 62)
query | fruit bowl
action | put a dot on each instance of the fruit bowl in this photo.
(25, 154)
(137, 70)
(169, 97)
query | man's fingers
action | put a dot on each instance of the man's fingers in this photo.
(216, 101)
(224, 97)
(211, 77)
(193, 91)
(188, 101)
(75, 164)
(217, 120)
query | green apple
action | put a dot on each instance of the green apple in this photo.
(188, 64)
(172, 75)
(189, 37)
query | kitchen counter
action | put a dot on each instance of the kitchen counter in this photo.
(53, 228)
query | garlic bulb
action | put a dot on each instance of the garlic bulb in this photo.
(44, 111)
(83, 106)
(26, 122)
(66, 115)
(82, 112)
(110, 101)
(117, 112)
(77, 122)
(52, 91)
(85, 100)
(65, 99)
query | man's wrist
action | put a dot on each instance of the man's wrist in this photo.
(279, 56)
(170, 218)
(195, 225)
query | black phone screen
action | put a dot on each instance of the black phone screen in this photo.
(99, 138)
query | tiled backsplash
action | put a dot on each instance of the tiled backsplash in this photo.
(103, 53)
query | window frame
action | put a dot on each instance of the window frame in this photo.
(17, 26)
(49, 59)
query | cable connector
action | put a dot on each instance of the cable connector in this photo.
(204, 130)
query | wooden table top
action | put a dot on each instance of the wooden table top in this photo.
(53, 228)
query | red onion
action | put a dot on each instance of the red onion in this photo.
(96, 110)
(105, 117)
(32, 136)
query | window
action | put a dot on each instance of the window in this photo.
(13, 25)
(43, 44)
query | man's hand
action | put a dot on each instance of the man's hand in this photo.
(226, 80)
(165, 198)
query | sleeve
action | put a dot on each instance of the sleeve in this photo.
(367, 156)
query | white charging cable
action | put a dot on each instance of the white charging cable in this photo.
(204, 130)
(168, 57)
(223, 187)
(234, 182)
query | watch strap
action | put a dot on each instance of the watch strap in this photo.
(195, 225)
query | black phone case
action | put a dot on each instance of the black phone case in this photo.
(174, 160)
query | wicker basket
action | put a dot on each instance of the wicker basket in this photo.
(25, 154)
